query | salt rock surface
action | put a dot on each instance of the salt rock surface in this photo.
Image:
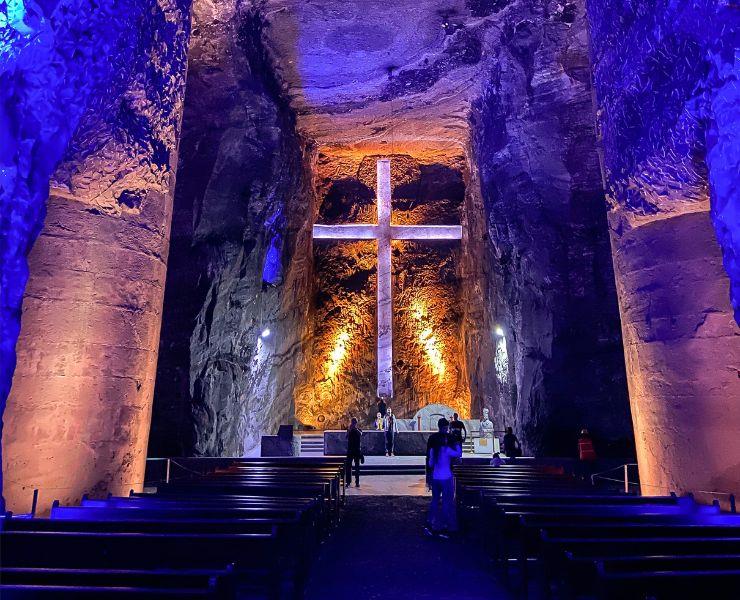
(666, 82)
(79, 409)
(433, 82)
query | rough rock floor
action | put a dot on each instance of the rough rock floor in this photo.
(379, 551)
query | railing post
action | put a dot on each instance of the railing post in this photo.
(626, 480)
(167, 474)
(733, 508)
(34, 502)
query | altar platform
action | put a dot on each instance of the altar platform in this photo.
(407, 443)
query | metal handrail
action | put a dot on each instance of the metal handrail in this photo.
(624, 467)
(627, 483)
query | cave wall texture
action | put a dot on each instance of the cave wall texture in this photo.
(549, 282)
(234, 269)
(488, 109)
(666, 79)
(322, 86)
(79, 409)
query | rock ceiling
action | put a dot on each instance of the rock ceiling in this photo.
(371, 72)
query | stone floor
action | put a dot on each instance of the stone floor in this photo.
(389, 485)
(394, 460)
(379, 551)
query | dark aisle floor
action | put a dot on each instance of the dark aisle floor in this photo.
(380, 552)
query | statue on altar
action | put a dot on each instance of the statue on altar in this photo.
(486, 425)
(485, 443)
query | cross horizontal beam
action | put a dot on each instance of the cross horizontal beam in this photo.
(426, 232)
(397, 232)
(345, 232)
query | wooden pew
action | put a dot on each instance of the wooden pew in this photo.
(667, 576)
(256, 515)
(569, 560)
(26, 583)
(254, 554)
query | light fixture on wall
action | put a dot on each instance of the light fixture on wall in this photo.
(266, 332)
(501, 357)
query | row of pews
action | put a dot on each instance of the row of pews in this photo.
(551, 534)
(248, 530)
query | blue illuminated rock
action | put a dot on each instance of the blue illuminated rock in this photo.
(666, 88)
(548, 283)
(92, 95)
(239, 206)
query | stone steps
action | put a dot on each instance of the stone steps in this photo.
(391, 469)
(312, 443)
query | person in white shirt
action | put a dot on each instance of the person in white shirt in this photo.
(442, 450)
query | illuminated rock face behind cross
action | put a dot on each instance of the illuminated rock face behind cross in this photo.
(384, 233)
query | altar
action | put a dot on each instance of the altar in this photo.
(413, 434)
(406, 443)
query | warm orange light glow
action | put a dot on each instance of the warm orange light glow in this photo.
(338, 354)
(434, 354)
(432, 345)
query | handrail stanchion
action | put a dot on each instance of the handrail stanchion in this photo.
(167, 474)
(35, 502)
(733, 508)
(626, 480)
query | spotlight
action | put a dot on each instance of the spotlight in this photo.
(499, 332)
(266, 332)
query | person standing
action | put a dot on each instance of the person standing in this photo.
(443, 449)
(354, 452)
(382, 406)
(458, 429)
(512, 449)
(390, 427)
(586, 450)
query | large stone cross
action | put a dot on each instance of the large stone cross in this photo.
(384, 232)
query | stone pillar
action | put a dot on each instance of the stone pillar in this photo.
(79, 410)
(682, 349)
(655, 96)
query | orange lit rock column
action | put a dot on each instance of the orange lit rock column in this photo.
(682, 350)
(78, 415)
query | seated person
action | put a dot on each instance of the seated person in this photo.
(496, 461)
(379, 422)
(512, 449)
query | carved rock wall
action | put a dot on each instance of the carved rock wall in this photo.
(556, 363)
(666, 75)
(234, 269)
(79, 410)
(429, 364)
(535, 261)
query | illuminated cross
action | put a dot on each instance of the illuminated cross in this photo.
(384, 232)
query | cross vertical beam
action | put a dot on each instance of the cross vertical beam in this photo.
(385, 299)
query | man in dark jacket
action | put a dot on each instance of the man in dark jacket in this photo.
(458, 429)
(382, 406)
(354, 453)
(512, 449)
